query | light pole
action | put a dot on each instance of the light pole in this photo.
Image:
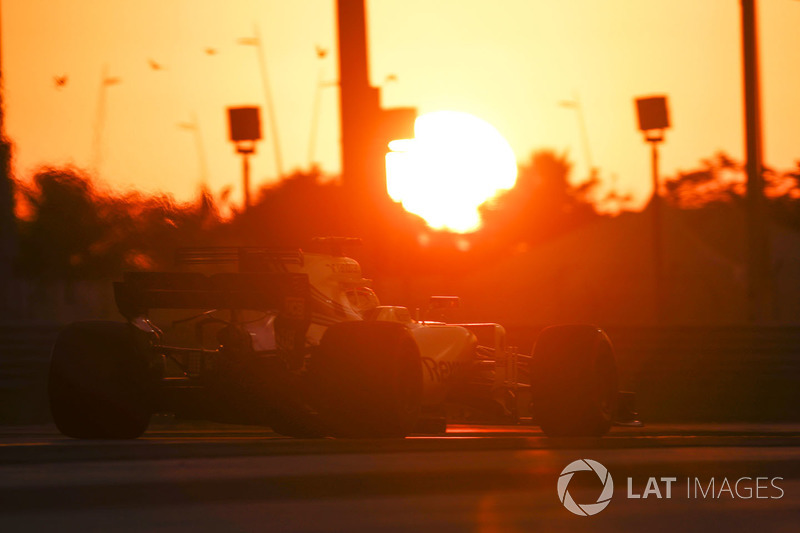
(245, 129)
(106, 81)
(653, 119)
(194, 127)
(759, 282)
(575, 104)
(273, 121)
(315, 111)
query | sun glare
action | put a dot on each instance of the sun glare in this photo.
(454, 163)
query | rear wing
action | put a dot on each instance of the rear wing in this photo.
(282, 292)
(249, 259)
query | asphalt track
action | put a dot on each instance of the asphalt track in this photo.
(205, 477)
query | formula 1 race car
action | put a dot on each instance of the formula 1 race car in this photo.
(298, 342)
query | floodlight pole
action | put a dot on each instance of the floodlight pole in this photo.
(273, 119)
(576, 104)
(246, 150)
(245, 129)
(246, 180)
(201, 151)
(653, 119)
(654, 137)
(759, 282)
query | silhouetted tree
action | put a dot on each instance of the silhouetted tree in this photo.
(719, 180)
(74, 231)
(783, 191)
(543, 204)
(720, 183)
(291, 212)
(56, 241)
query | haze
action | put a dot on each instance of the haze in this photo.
(509, 63)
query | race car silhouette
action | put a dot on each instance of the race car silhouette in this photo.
(299, 342)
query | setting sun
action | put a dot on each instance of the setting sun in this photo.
(455, 163)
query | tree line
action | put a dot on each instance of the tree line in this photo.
(69, 228)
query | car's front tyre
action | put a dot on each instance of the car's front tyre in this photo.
(573, 381)
(367, 378)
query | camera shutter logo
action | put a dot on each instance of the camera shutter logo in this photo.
(585, 509)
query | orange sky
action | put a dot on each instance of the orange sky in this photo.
(508, 62)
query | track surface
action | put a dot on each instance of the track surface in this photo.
(475, 478)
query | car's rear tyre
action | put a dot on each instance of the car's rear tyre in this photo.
(98, 382)
(368, 380)
(573, 381)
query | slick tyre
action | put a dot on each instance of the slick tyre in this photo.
(573, 381)
(98, 382)
(368, 376)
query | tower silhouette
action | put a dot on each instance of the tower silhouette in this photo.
(359, 102)
(366, 128)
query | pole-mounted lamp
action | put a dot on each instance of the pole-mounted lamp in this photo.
(653, 120)
(244, 124)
